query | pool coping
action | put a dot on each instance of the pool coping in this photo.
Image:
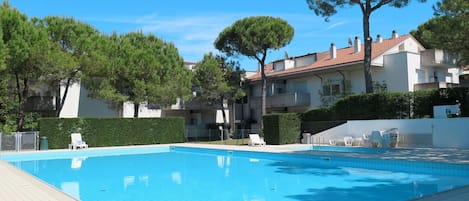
(19, 185)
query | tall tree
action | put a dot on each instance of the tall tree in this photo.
(70, 54)
(449, 15)
(140, 68)
(28, 48)
(217, 82)
(5, 111)
(327, 8)
(254, 37)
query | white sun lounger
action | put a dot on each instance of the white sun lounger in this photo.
(77, 142)
(254, 140)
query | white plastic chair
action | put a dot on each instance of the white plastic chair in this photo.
(255, 139)
(77, 142)
(376, 139)
(348, 141)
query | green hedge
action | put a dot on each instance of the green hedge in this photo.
(314, 127)
(99, 132)
(282, 128)
(390, 105)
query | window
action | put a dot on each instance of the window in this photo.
(401, 48)
(331, 89)
(336, 87)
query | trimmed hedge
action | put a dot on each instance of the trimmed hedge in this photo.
(281, 128)
(100, 132)
(390, 105)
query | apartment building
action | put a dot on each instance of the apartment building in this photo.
(198, 117)
(399, 64)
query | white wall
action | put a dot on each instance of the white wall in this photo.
(89, 107)
(78, 104)
(305, 60)
(357, 80)
(219, 117)
(128, 111)
(451, 132)
(413, 63)
(70, 107)
(394, 72)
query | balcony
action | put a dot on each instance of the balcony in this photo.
(434, 85)
(433, 57)
(190, 105)
(285, 100)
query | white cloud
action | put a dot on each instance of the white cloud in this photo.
(336, 25)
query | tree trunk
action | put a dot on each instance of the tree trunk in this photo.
(136, 108)
(57, 99)
(223, 114)
(263, 87)
(368, 41)
(62, 98)
(22, 100)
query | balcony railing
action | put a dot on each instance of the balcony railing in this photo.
(190, 105)
(432, 57)
(285, 100)
(433, 85)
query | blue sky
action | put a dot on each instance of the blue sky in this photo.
(193, 25)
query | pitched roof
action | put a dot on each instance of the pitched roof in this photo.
(345, 56)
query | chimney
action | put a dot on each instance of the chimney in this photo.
(379, 39)
(394, 34)
(333, 51)
(357, 45)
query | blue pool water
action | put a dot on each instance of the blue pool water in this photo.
(353, 149)
(172, 174)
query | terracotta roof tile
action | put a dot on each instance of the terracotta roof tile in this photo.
(344, 56)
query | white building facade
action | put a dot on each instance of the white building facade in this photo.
(399, 64)
(198, 117)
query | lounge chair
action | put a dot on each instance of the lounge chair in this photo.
(390, 138)
(376, 139)
(77, 142)
(365, 140)
(254, 140)
(348, 141)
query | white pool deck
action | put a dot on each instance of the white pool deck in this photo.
(17, 185)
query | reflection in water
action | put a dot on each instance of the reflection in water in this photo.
(76, 162)
(72, 188)
(213, 177)
(176, 177)
(128, 180)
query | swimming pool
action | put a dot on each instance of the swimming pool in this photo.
(181, 173)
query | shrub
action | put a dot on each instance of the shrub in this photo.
(98, 132)
(281, 128)
(394, 105)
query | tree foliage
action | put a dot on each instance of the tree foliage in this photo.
(216, 81)
(139, 68)
(254, 37)
(70, 54)
(28, 51)
(327, 8)
(449, 15)
(5, 103)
